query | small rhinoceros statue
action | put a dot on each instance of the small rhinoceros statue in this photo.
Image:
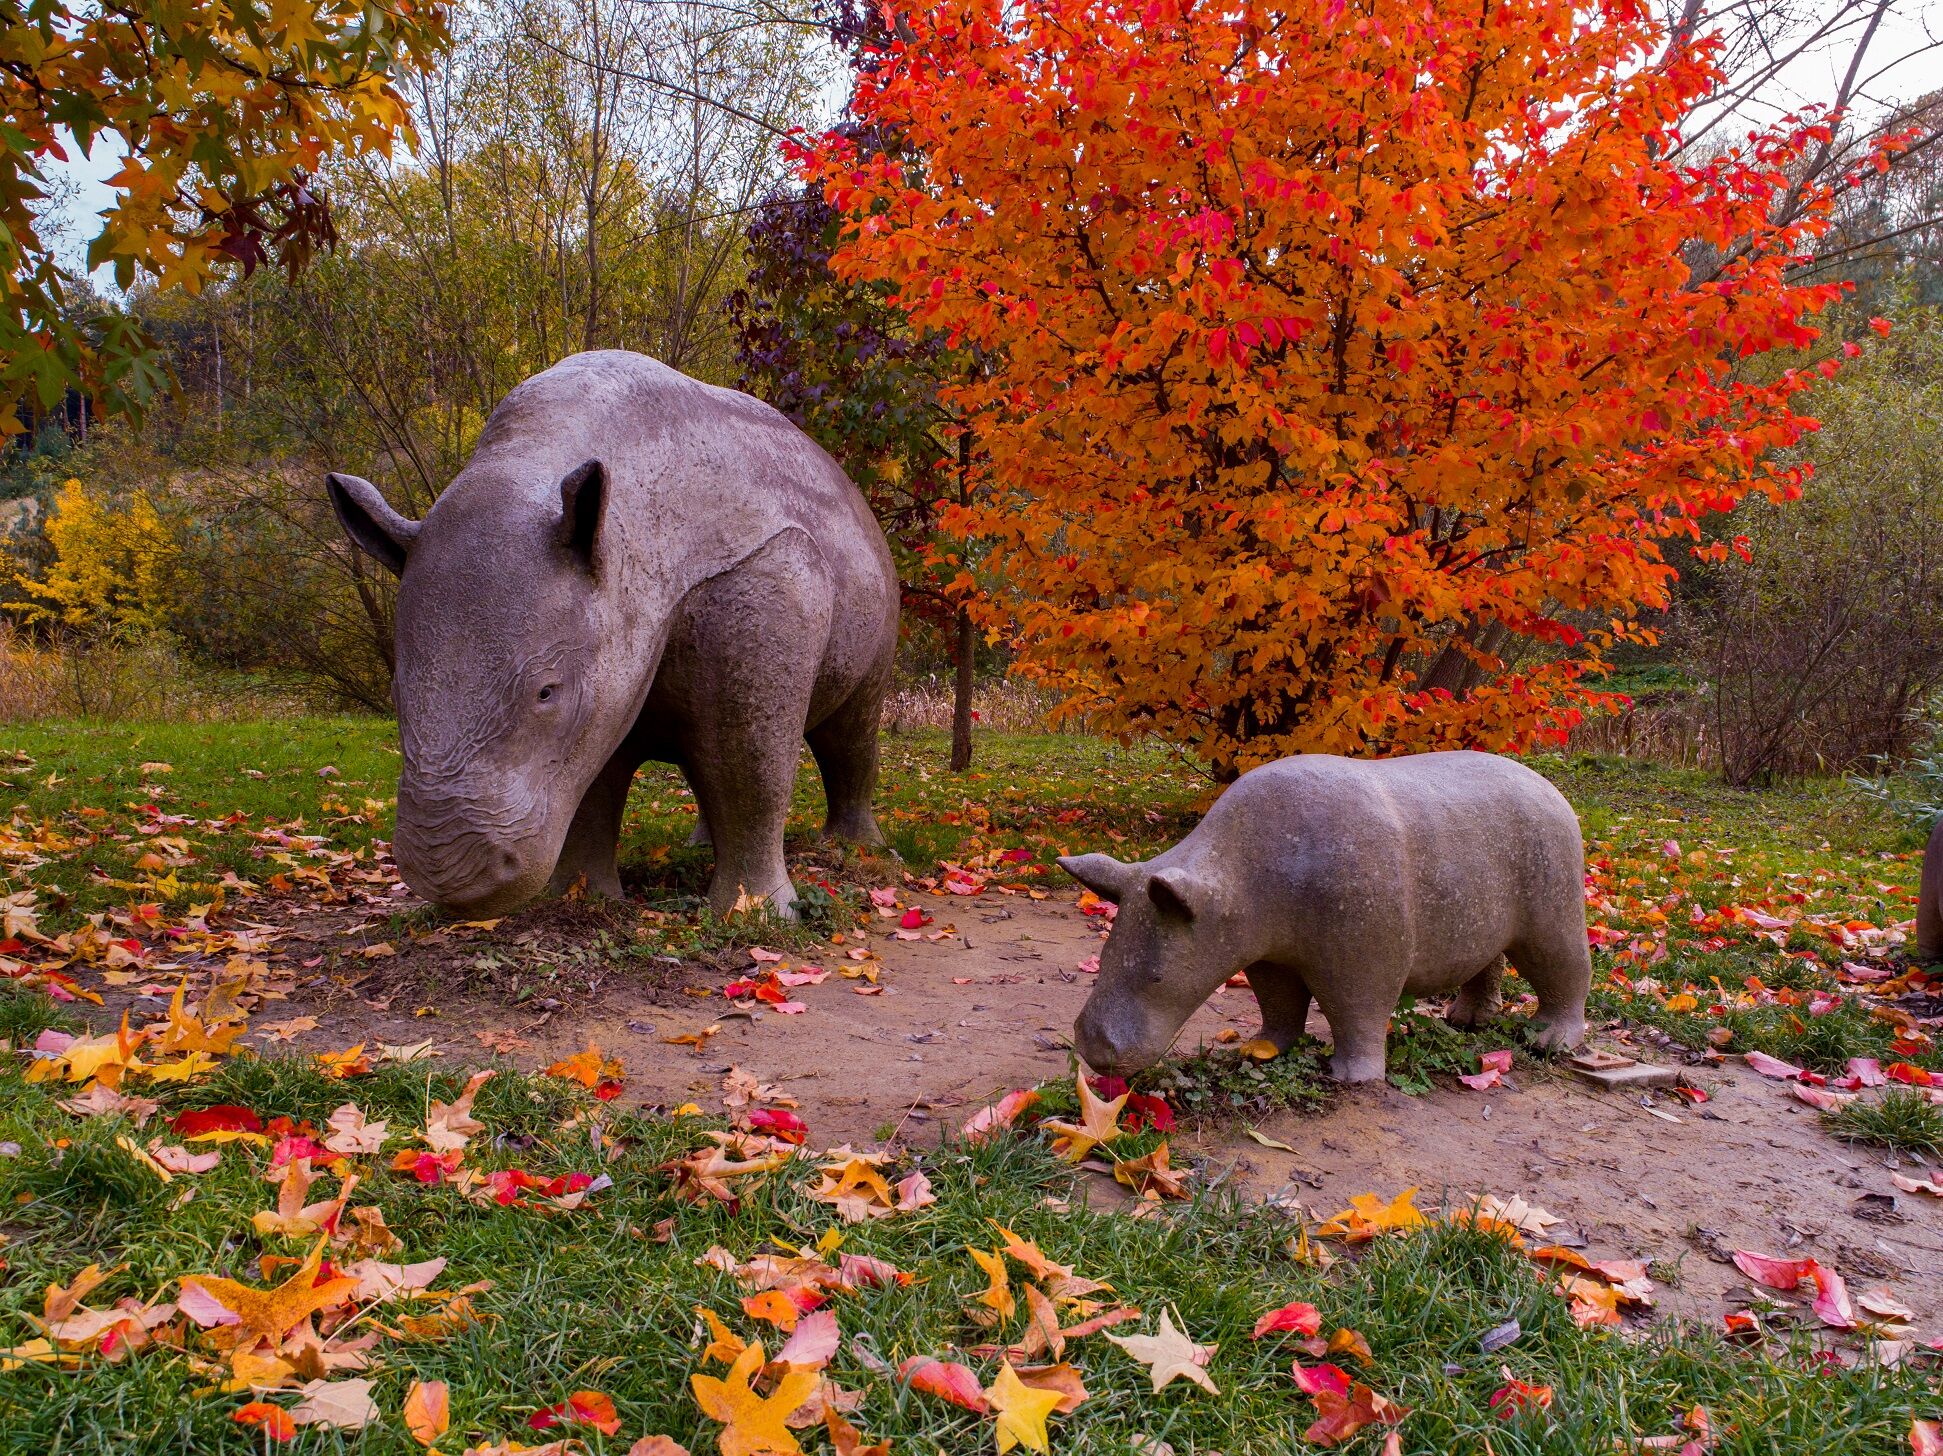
(1352, 882)
(633, 565)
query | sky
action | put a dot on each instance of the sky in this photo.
(1810, 78)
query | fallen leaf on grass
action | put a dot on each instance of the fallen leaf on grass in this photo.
(351, 1134)
(814, 1343)
(1769, 1066)
(753, 1425)
(582, 1408)
(988, 1122)
(669, 1446)
(351, 1062)
(945, 1379)
(450, 1126)
(1367, 1216)
(1515, 1397)
(997, 1295)
(267, 1314)
(273, 1419)
(853, 1186)
(1350, 1342)
(1168, 1355)
(1099, 1122)
(100, 1101)
(1495, 1065)
(1831, 1301)
(1301, 1318)
(181, 1160)
(428, 1410)
(336, 1405)
(1153, 1176)
(1021, 1410)
(1342, 1412)
(1926, 1438)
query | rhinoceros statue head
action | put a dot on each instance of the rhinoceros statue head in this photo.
(507, 704)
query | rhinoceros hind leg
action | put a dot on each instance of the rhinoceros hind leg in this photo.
(1559, 968)
(1480, 998)
(1283, 997)
(699, 834)
(1361, 1033)
(593, 838)
(845, 747)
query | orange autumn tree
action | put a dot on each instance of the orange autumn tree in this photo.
(1353, 367)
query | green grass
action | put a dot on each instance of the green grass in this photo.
(1052, 795)
(1820, 848)
(1900, 1119)
(591, 1300)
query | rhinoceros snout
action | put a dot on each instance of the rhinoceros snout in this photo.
(1105, 1048)
(457, 857)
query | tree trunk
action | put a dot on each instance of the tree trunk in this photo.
(961, 698)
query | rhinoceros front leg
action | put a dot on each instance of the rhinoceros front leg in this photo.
(1283, 997)
(593, 839)
(1478, 999)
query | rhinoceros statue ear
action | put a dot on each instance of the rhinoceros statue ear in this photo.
(1104, 875)
(583, 501)
(369, 520)
(1175, 892)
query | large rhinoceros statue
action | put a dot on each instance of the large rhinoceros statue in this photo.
(633, 565)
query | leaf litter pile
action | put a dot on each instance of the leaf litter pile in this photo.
(242, 1250)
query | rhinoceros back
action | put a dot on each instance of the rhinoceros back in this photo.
(700, 477)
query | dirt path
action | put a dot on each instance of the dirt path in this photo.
(990, 1005)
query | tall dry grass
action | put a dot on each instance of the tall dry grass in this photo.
(109, 680)
(1003, 706)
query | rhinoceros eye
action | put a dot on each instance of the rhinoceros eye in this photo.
(547, 692)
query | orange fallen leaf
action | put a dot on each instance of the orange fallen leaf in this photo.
(428, 1410)
(273, 1419)
(1301, 1318)
(773, 1306)
(1367, 1216)
(268, 1314)
(988, 1122)
(1099, 1122)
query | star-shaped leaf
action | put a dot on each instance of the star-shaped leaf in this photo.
(1169, 1354)
(997, 1295)
(448, 1126)
(1099, 1122)
(753, 1425)
(1021, 1410)
(266, 1313)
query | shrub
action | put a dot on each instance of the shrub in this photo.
(1820, 648)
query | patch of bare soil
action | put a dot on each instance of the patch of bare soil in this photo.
(990, 1006)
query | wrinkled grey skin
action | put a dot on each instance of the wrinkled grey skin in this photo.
(633, 565)
(1354, 882)
(1929, 900)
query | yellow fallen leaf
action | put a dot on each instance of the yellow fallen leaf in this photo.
(753, 1425)
(1021, 1411)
